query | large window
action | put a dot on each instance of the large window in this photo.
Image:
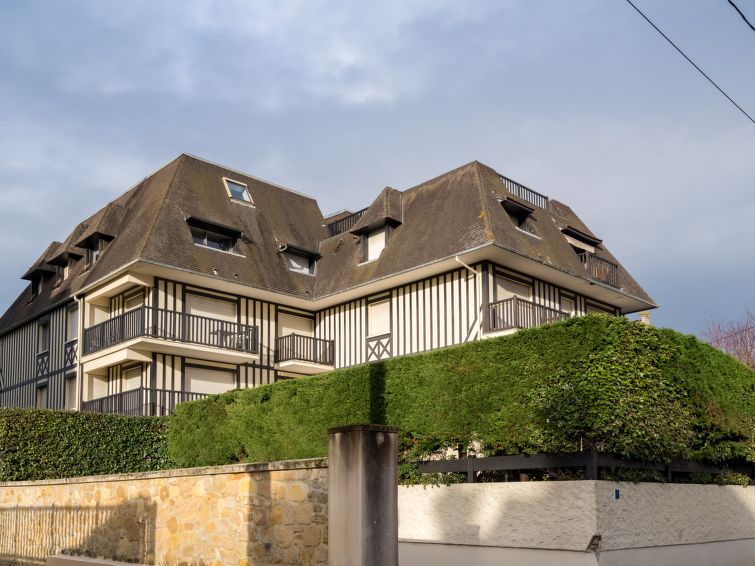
(72, 324)
(70, 392)
(43, 336)
(133, 300)
(41, 400)
(209, 380)
(375, 243)
(379, 318)
(132, 377)
(507, 288)
(568, 305)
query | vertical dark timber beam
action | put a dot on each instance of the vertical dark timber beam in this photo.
(363, 496)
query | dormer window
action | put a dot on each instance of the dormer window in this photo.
(521, 215)
(298, 259)
(214, 236)
(374, 243)
(237, 191)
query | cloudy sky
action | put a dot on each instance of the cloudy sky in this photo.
(580, 100)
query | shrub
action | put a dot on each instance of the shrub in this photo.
(595, 381)
(37, 445)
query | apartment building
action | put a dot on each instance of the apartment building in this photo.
(202, 279)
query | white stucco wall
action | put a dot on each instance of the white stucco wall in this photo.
(502, 523)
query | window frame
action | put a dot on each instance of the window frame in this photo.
(44, 323)
(371, 305)
(246, 201)
(232, 248)
(72, 313)
(311, 262)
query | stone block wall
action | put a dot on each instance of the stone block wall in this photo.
(272, 513)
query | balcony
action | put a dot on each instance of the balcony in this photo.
(600, 269)
(517, 313)
(141, 402)
(304, 354)
(174, 333)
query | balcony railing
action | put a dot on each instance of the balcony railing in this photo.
(520, 313)
(600, 269)
(171, 325)
(305, 349)
(345, 224)
(525, 193)
(141, 402)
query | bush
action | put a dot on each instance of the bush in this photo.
(37, 445)
(597, 381)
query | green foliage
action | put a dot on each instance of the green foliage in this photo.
(595, 381)
(37, 445)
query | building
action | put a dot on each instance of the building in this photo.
(201, 279)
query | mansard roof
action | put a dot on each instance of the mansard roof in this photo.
(451, 214)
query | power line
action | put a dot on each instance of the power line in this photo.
(691, 62)
(752, 27)
(724, 337)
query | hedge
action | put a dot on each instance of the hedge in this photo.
(590, 382)
(37, 445)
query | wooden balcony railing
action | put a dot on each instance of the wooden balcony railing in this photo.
(600, 269)
(379, 347)
(305, 349)
(141, 402)
(525, 193)
(345, 224)
(520, 313)
(171, 325)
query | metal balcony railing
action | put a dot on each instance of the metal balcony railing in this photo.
(520, 313)
(141, 402)
(304, 348)
(171, 325)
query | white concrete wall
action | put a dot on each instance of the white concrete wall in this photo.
(552, 523)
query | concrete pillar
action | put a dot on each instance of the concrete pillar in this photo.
(363, 496)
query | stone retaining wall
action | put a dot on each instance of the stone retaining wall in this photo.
(274, 513)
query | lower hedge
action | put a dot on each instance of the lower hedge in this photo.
(37, 445)
(596, 381)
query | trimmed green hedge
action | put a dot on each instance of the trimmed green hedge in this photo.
(595, 381)
(37, 445)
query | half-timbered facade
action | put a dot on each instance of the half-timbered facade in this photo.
(202, 279)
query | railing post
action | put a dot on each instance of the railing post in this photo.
(515, 304)
(470, 468)
(363, 496)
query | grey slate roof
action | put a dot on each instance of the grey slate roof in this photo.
(445, 216)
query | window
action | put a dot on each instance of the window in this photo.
(43, 336)
(41, 401)
(374, 242)
(209, 380)
(36, 286)
(70, 401)
(507, 288)
(300, 263)
(237, 190)
(212, 240)
(133, 300)
(568, 306)
(132, 378)
(521, 216)
(72, 324)
(379, 318)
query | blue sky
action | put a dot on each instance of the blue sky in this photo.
(580, 100)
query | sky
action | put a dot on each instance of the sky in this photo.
(580, 100)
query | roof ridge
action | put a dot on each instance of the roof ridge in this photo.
(261, 180)
(163, 202)
(483, 201)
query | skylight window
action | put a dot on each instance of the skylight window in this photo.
(237, 191)
(214, 236)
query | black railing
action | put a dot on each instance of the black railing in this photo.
(346, 223)
(171, 325)
(43, 363)
(525, 193)
(305, 349)
(141, 402)
(520, 313)
(590, 461)
(600, 269)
